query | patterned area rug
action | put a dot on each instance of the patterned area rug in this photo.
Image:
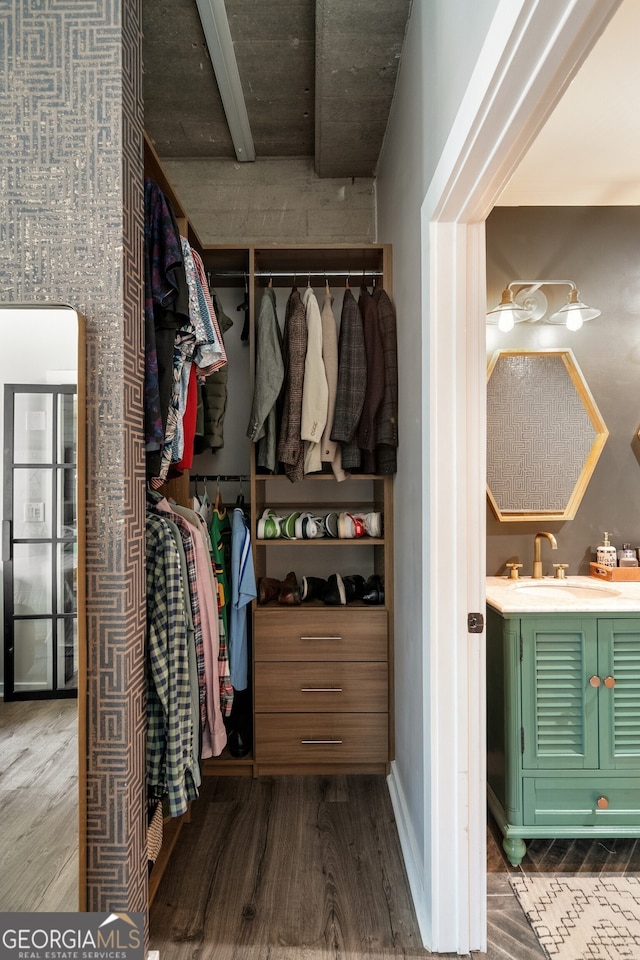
(583, 918)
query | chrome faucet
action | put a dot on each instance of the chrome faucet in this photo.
(537, 546)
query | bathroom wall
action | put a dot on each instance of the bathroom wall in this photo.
(599, 249)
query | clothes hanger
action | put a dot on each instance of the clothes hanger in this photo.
(244, 336)
(240, 497)
(218, 504)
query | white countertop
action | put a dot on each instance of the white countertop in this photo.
(573, 595)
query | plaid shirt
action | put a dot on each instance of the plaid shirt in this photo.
(190, 554)
(169, 713)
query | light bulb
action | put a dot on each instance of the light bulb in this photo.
(574, 319)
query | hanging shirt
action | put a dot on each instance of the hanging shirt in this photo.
(262, 428)
(170, 768)
(243, 591)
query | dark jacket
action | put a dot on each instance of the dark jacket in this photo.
(352, 381)
(375, 371)
(290, 450)
(387, 419)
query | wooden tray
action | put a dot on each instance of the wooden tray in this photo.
(614, 574)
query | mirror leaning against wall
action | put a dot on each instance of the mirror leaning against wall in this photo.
(42, 662)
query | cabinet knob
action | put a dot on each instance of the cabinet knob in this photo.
(594, 681)
(602, 803)
(609, 682)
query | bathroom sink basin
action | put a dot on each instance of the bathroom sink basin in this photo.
(563, 589)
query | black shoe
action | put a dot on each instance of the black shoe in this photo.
(335, 594)
(239, 744)
(313, 588)
(353, 587)
(373, 591)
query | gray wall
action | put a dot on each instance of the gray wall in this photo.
(599, 249)
(272, 201)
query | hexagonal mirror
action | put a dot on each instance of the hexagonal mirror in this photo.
(545, 434)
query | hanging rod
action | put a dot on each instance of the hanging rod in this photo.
(228, 274)
(225, 477)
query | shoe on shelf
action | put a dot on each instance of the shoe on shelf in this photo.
(268, 589)
(288, 526)
(313, 588)
(330, 524)
(373, 591)
(269, 525)
(312, 528)
(350, 527)
(353, 587)
(289, 590)
(373, 524)
(335, 594)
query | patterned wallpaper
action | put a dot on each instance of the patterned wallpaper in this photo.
(71, 209)
(539, 434)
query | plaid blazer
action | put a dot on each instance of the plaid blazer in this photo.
(352, 372)
(290, 446)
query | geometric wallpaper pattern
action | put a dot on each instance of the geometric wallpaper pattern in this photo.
(71, 208)
(539, 434)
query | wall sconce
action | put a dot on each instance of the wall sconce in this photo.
(529, 304)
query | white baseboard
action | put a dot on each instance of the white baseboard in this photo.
(413, 860)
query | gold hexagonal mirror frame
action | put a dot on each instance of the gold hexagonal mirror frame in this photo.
(545, 434)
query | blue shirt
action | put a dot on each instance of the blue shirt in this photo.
(243, 591)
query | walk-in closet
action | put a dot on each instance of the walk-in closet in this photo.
(314, 697)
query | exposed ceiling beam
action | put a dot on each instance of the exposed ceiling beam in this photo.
(215, 24)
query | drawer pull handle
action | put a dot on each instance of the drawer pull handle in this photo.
(609, 682)
(320, 689)
(594, 681)
(321, 638)
(602, 803)
(321, 741)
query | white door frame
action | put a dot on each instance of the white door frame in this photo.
(533, 50)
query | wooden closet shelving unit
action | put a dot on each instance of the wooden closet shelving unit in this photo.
(356, 712)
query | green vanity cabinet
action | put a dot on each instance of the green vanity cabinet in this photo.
(563, 726)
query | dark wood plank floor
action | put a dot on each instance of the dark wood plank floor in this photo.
(309, 868)
(39, 804)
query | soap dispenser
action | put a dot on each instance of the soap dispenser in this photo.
(606, 555)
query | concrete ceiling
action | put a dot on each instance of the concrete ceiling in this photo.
(317, 76)
(588, 152)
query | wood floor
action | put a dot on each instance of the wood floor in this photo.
(309, 868)
(282, 868)
(39, 805)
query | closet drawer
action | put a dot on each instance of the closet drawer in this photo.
(320, 633)
(321, 738)
(320, 687)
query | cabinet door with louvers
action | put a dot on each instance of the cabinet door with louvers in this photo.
(619, 693)
(559, 697)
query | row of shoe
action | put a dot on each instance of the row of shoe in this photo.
(335, 591)
(305, 526)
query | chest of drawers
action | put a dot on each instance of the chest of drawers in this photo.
(321, 689)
